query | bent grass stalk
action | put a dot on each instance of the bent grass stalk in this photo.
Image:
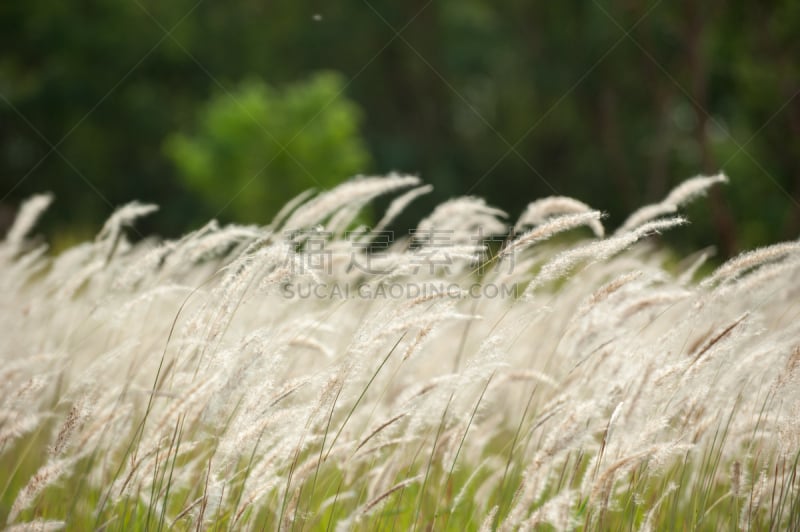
(616, 393)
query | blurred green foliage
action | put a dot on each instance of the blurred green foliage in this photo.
(610, 101)
(255, 147)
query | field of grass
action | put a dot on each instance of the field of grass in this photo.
(476, 374)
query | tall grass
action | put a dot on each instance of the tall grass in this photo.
(310, 375)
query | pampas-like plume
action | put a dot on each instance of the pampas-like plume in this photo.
(605, 291)
(15, 426)
(752, 505)
(551, 228)
(370, 506)
(290, 206)
(680, 195)
(399, 204)
(751, 259)
(601, 250)
(73, 419)
(124, 216)
(461, 219)
(359, 190)
(112, 230)
(207, 389)
(541, 210)
(556, 511)
(45, 476)
(488, 522)
(29, 213)
(647, 525)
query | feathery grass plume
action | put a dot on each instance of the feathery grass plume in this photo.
(550, 228)
(678, 197)
(143, 264)
(697, 261)
(359, 191)
(467, 485)
(694, 188)
(600, 250)
(725, 334)
(172, 256)
(752, 505)
(458, 220)
(185, 385)
(217, 243)
(45, 476)
(289, 208)
(371, 505)
(601, 487)
(29, 212)
(122, 217)
(791, 369)
(482, 494)
(19, 386)
(542, 210)
(570, 432)
(532, 376)
(343, 218)
(557, 512)
(650, 516)
(380, 428)
(28, 265)
(76, 415)
(488, 522)
(14, 425)
(399, 204)
(605, 291)
(762, 278)
(736, 266)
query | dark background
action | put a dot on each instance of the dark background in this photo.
(226, 109)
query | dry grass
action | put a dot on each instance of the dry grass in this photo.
(258, 378)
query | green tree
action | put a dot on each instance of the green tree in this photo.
(256, 146)
(610, 101)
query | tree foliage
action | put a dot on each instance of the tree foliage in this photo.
(256, 146)
(607, 100)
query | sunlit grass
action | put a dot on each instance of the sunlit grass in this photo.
(177, 385)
